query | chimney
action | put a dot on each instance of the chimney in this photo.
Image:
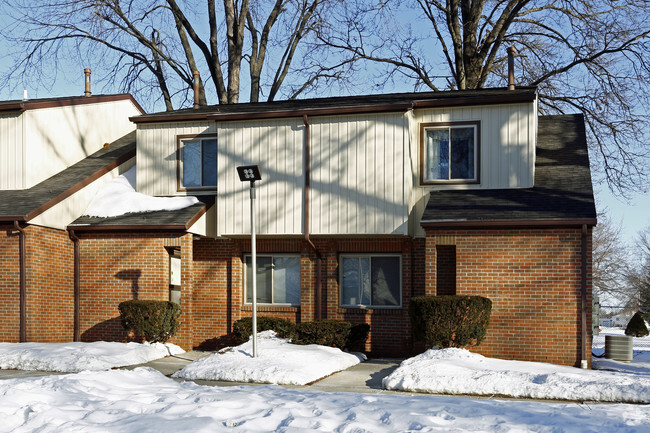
(511, 68)
(196, 89)
(87, 93)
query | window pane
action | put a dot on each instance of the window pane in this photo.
(286, 280)
(437, 154)
(209, 163)
(385, 281)
(264, 276)
(350, 287)
(192, 163)
(462, 153)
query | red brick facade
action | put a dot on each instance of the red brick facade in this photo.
(49, 288)
(531, 276)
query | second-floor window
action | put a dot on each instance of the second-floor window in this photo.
(199, 162)
(450, 152)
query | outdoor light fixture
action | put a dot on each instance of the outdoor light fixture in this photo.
(251, 173)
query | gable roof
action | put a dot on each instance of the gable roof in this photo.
(562, 193)
(35, 104)
(23, 205)
(392, 102)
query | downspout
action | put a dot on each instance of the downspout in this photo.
(23, 283)
(77, 284)
(583, 293)
(319, 257)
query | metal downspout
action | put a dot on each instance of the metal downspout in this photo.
(583, 293)
(76, 323)
(23, 283)
(319, 257)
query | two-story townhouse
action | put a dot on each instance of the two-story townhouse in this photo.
(364, 203)
(55, 154)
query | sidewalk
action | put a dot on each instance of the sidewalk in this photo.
(365, 377)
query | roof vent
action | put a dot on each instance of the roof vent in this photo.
(87, 93)
(25, 98)
(511, 68)
(196, 89)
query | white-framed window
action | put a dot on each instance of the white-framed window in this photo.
(278, 279)
(198, 162)
(370, 280)
(450, 152)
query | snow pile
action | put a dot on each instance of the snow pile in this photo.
(458, 371)
(74, 357)
(278, 361)
(143, 400)
(118, 197)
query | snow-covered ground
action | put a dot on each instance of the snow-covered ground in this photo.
(143, 400)
(75, 357)
(278, 362)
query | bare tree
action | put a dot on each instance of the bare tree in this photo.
(149, 45)
(610, 263)
(583, 55)
(639, 275)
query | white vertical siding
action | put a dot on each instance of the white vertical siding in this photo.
(58, 137)
(277, 146)
(358, 174)
(11, 152)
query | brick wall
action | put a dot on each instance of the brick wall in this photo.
(533, 279)
(9, 285)
(49, 285)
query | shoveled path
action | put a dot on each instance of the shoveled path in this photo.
(365, 377)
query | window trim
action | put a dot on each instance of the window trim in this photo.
(371, 306)
(477, 152)
(179, 161)
(273, 304)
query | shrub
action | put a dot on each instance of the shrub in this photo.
(326, 332)
(637, 327)
(357, 337)
(155, 321)
(243, 328)
(450, 321)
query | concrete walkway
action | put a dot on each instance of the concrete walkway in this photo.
(365, 377)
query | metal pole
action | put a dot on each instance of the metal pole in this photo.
(254, 254)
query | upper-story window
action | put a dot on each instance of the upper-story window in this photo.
(198, 162)
(449, 152)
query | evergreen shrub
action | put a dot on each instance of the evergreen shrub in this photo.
(450, 321)
(243, 328)
(325, 332)
(637, 327)
(155, 321)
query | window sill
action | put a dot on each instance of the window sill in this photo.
(272, 308)
(374, 311)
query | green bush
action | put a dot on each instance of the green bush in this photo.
(155, 321)
(636, 327)
(326, 332)
(243, 328)
(357, 337)
(450, 321)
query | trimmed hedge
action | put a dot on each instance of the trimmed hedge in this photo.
(637, 327)
(155, 321)
(450, 321)
(243, 328)
(326, 332)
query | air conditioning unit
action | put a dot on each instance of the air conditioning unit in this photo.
(619, 347)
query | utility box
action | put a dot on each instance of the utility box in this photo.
(595, 315)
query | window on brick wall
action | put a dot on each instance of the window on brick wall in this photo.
(446, 269)
(278, 279)
(197, 164)
(175, 275)
(371, 280)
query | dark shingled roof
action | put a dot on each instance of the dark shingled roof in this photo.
(23, 205)
(562, 191)
(392, 102)
(180, 219)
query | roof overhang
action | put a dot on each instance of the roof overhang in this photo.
(478, 224)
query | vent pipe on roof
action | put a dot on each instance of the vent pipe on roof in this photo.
(196, 89)
(511, 68)
(87, 93)
(25, 98)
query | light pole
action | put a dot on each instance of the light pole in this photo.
(251, 173)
